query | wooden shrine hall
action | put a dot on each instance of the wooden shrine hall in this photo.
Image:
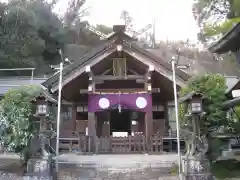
(117, 93)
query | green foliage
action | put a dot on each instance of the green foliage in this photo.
(216, 17)
(213, 88)
(216, 146)
(216, 29)
(16, 118)
(226, 169)
(31, 33)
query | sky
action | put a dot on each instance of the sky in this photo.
(174, 19)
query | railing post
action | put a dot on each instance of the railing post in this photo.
(96, 145)
(89, 144)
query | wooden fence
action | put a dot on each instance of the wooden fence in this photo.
(118, 145)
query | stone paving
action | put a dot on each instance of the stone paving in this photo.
(110, 167)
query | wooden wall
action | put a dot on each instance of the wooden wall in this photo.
(159, 123)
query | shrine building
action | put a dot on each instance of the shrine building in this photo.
(118, 90)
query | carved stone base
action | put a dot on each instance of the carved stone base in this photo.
(38, 169)
(194, 168)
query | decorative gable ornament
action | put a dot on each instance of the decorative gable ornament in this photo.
(141, 102)
(104, 103)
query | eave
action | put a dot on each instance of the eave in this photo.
(229, 42)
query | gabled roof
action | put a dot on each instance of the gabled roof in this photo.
(159, 60)
(106, 46)
(229, 42)
(68, 69)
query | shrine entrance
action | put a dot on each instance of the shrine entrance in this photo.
(120, 122)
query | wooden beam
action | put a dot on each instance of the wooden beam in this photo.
(110, 77)
(147, 83)
(154, 90)
(132, 71)
(107, 71)
(91, 85)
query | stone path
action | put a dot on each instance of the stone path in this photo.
(109, 167)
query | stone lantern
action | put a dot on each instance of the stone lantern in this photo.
(194, 102)
(43, 103)
(40, 159)
(194, 163)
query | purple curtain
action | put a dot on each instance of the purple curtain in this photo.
(138, 102)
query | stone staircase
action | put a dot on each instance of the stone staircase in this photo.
(108, 167)
(123, 173)
(117, 167)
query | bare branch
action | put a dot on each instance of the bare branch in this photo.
(74, 11)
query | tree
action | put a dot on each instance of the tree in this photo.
(75, 12)
(104, 29)
(30, 34)
(213, 88)
(16, 118)
(215, 17)
(127, 18)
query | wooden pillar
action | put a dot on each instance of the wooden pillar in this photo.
(91, 132)
(148, 115)
(148, 125)
(91, 124)
(166, 119)
(74, 117)
(99, 124)
(107, 124)
(91, 115)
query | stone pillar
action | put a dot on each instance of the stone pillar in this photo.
(74, 117)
